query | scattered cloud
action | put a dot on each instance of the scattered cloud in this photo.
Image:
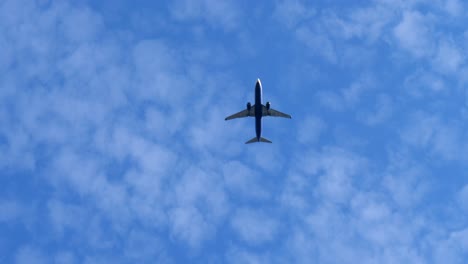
(384, 107)
(310, 130)
(292, 13)
(421, 83)
(243, 182)
(318, 43)
(347, 97)
(443, 139)
(224, 14)
(254, 227)
(454, 7)
(413, 33)
(118, 138)
(30, 254)
(448, 58)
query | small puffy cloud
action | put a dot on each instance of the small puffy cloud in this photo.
(142, 246)
(189, 225)
(448, 57)
(442, 138)
(90, 24)
(414, 34)
(293, 12)
(421, 83)
(30, 255)
(296, 193)
(405, 187)
(369, 209)
(310, 129)
(451, 248)
(199, 204)
(454, 7)
(159, 72)
(224, 14)
(334, 169)
(191, 191)
(319, 44)
(347, 97)
(254, 227)
(243, 181)
(383, 110)
(66, 216)
(369, 22)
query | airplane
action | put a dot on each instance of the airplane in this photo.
(258, 110)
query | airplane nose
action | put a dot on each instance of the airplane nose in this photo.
(258, 82)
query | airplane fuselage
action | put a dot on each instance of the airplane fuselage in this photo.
(258, 109)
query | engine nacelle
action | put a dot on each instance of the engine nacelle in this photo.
(249, 106)
(268, 105)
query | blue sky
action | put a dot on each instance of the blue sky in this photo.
(114, 147)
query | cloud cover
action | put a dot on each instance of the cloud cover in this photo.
(114, 147)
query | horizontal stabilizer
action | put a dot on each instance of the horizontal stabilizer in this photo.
(255, 139)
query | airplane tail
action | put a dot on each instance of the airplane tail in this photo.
(255, 139)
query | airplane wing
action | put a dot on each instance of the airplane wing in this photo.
(273, 112)
(243, 113)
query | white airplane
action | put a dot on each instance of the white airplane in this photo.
(258, 110)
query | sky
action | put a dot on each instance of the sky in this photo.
(114, 148)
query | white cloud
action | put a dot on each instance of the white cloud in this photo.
(454, 7)
(414, 34)
(224, 14)
(448, 57)
(66, 216)
(90, 24)
(370, 22)
(422, 83)
(369, 209)
(442, 138)
(17, 151)
(310, 130)
(211, 133)
(200, 204)
(384, 109)
(242, 181)
(291, 13)
(30, 255)
(347, 97)
(124, 157)
(142, 246)
(189, 225)
(297, 192)
(254, 227)
(334, 169)
(159, 73)
(452, 247)
(319, 43)
(269, 158)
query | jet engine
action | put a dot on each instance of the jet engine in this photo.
(268, 105)
(249, 106)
